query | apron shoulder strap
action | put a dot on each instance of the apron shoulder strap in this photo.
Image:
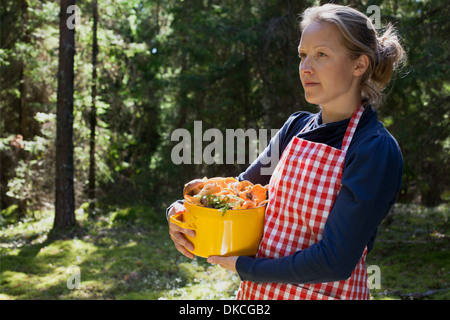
(308, 124)
(351, 128)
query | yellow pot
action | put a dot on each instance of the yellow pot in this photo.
(235, 233)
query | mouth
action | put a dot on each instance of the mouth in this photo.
(308, 84)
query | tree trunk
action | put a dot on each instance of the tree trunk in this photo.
(64, 184)
(93, 114)
(23, 105)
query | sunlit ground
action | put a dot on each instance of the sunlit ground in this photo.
(127, 254)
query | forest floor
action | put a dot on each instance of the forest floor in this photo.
(128, 254)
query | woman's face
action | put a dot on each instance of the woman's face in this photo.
(326, 70)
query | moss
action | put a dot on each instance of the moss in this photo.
(412, 253)
(9, 215)
(128, 254)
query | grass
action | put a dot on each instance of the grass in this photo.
(127, 254)
(412, 251)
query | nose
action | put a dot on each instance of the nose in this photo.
(305, 66)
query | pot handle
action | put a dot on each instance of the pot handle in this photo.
(183, 224)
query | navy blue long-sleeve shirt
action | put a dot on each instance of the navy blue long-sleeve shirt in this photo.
(370, 183)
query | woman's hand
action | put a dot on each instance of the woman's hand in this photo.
(228, 263)
(181, 243)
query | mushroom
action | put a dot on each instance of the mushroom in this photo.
(193, 187)
(209, 188)
(243, 185)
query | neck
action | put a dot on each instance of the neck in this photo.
(337, 113)
(335, 116)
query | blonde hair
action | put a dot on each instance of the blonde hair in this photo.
(385, 51)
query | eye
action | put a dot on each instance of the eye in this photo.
(302, 55)
(321, 54)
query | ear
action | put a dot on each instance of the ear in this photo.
(361, 65)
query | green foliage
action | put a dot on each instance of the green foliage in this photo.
(117, 259)
(419, 101)
(126, 253)
(10, 215)
(137, 214)
(412, 252)
(164, 64)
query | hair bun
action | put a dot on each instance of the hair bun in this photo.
(389, 56)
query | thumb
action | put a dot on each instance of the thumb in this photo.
(213, 259)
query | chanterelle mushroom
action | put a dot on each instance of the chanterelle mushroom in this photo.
(193, 187)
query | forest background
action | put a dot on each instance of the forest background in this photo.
(144, 68)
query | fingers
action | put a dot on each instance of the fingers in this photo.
(217, 260)
(228, 263)
(176, 229)
(181, 243)
(183, 251)
(213, 259)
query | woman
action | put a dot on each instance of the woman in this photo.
(339, 171)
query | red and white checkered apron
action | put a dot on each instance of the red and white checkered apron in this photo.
(302, 191)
